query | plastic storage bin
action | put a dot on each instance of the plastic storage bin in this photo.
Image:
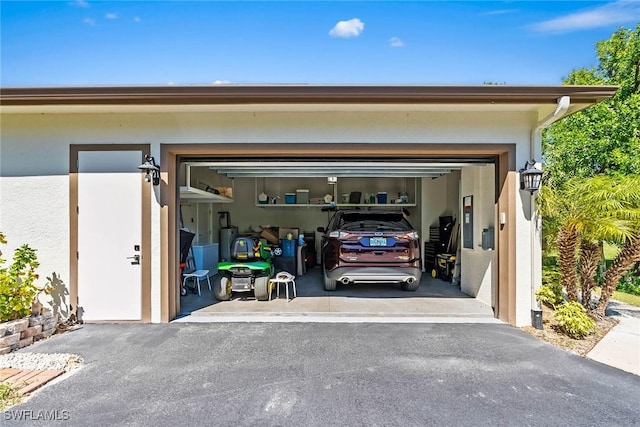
(302, 196)
(288, 248)
(382, 197)
(290, 198)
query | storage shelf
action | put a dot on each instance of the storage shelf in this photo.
(292, 205)
(338, 205)
(192, 193)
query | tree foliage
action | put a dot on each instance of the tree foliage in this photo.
(580, 214)
(604, 138)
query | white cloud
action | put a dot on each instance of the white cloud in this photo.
(615, 13)
(345, 29)
(499, 12)
(221, 82)
(111, 15)
(89, 21)
(395, 42)
(80, 3)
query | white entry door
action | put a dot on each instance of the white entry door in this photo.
(109, 235)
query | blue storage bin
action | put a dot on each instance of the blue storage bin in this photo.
(290, 198)
(382, 198)
(288, 248)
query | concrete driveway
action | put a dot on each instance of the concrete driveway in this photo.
(434, 300)
(329, 374)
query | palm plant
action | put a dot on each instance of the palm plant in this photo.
(581, 214)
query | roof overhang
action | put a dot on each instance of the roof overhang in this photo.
(130, 99)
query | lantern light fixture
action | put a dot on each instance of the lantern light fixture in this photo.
(152, 171)
(530, 177)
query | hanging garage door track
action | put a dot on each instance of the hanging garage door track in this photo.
(435, 301)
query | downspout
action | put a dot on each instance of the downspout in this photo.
(561, 110)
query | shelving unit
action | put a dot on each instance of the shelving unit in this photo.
(192, 193)
(349, 183)
(188, 192)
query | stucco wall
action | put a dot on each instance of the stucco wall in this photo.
(34, 161)
(478, 265)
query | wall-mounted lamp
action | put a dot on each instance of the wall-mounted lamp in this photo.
(530, 177)
(152, 171)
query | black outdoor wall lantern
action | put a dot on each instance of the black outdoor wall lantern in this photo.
(530, 177)
(152, 171)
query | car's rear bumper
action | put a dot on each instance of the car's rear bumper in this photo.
(375, 274)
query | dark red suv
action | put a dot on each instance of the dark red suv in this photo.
(362, 246)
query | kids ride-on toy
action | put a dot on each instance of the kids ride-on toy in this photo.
(249, 269)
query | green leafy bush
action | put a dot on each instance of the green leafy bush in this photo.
(17, 283)
(550, 274)
(574, 321)
(629, 285)
(550, 294)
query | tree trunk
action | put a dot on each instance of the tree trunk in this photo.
(590, 255)
(628, 256)
(567, 245)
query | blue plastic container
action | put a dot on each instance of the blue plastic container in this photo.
(382, 198)
(288, 248)
(290, 198)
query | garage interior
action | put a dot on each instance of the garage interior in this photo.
(220, 198)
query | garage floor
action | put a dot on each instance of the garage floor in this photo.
(434, 301)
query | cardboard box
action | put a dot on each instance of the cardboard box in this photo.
(270, 236)
(282, 233)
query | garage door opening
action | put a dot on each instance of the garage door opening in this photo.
(282, 202)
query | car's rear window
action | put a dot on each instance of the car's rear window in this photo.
(373, 222)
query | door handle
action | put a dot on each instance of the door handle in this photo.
(135, 258)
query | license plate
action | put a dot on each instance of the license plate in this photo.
(377, 241)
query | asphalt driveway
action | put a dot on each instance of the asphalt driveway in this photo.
(324, 374)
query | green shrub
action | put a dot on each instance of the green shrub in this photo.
(629, 285)
(17, 283)
(574, 321)
(550, 294)
(550, 274)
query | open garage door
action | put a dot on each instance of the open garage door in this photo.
(277, 199)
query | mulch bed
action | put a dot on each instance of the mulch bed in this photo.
(550, 334)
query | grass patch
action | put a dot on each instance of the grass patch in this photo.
(8, 396)
(626, 298)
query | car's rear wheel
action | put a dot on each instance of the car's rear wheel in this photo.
(261, 288)
(329, 284)
(221, 288)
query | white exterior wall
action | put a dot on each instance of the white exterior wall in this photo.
(479, 273)
(34, 162)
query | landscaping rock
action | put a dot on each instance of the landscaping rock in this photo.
(30, 331)
(9, 340)
(14, 326)
(22, 343)
(40, 320)
(43, 334)
(26, 360)
(49, 324)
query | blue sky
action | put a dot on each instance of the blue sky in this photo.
(78, 43)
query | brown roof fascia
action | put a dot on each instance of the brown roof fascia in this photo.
(300, 94)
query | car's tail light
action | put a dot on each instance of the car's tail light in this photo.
(413, 235)
(339, 234)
